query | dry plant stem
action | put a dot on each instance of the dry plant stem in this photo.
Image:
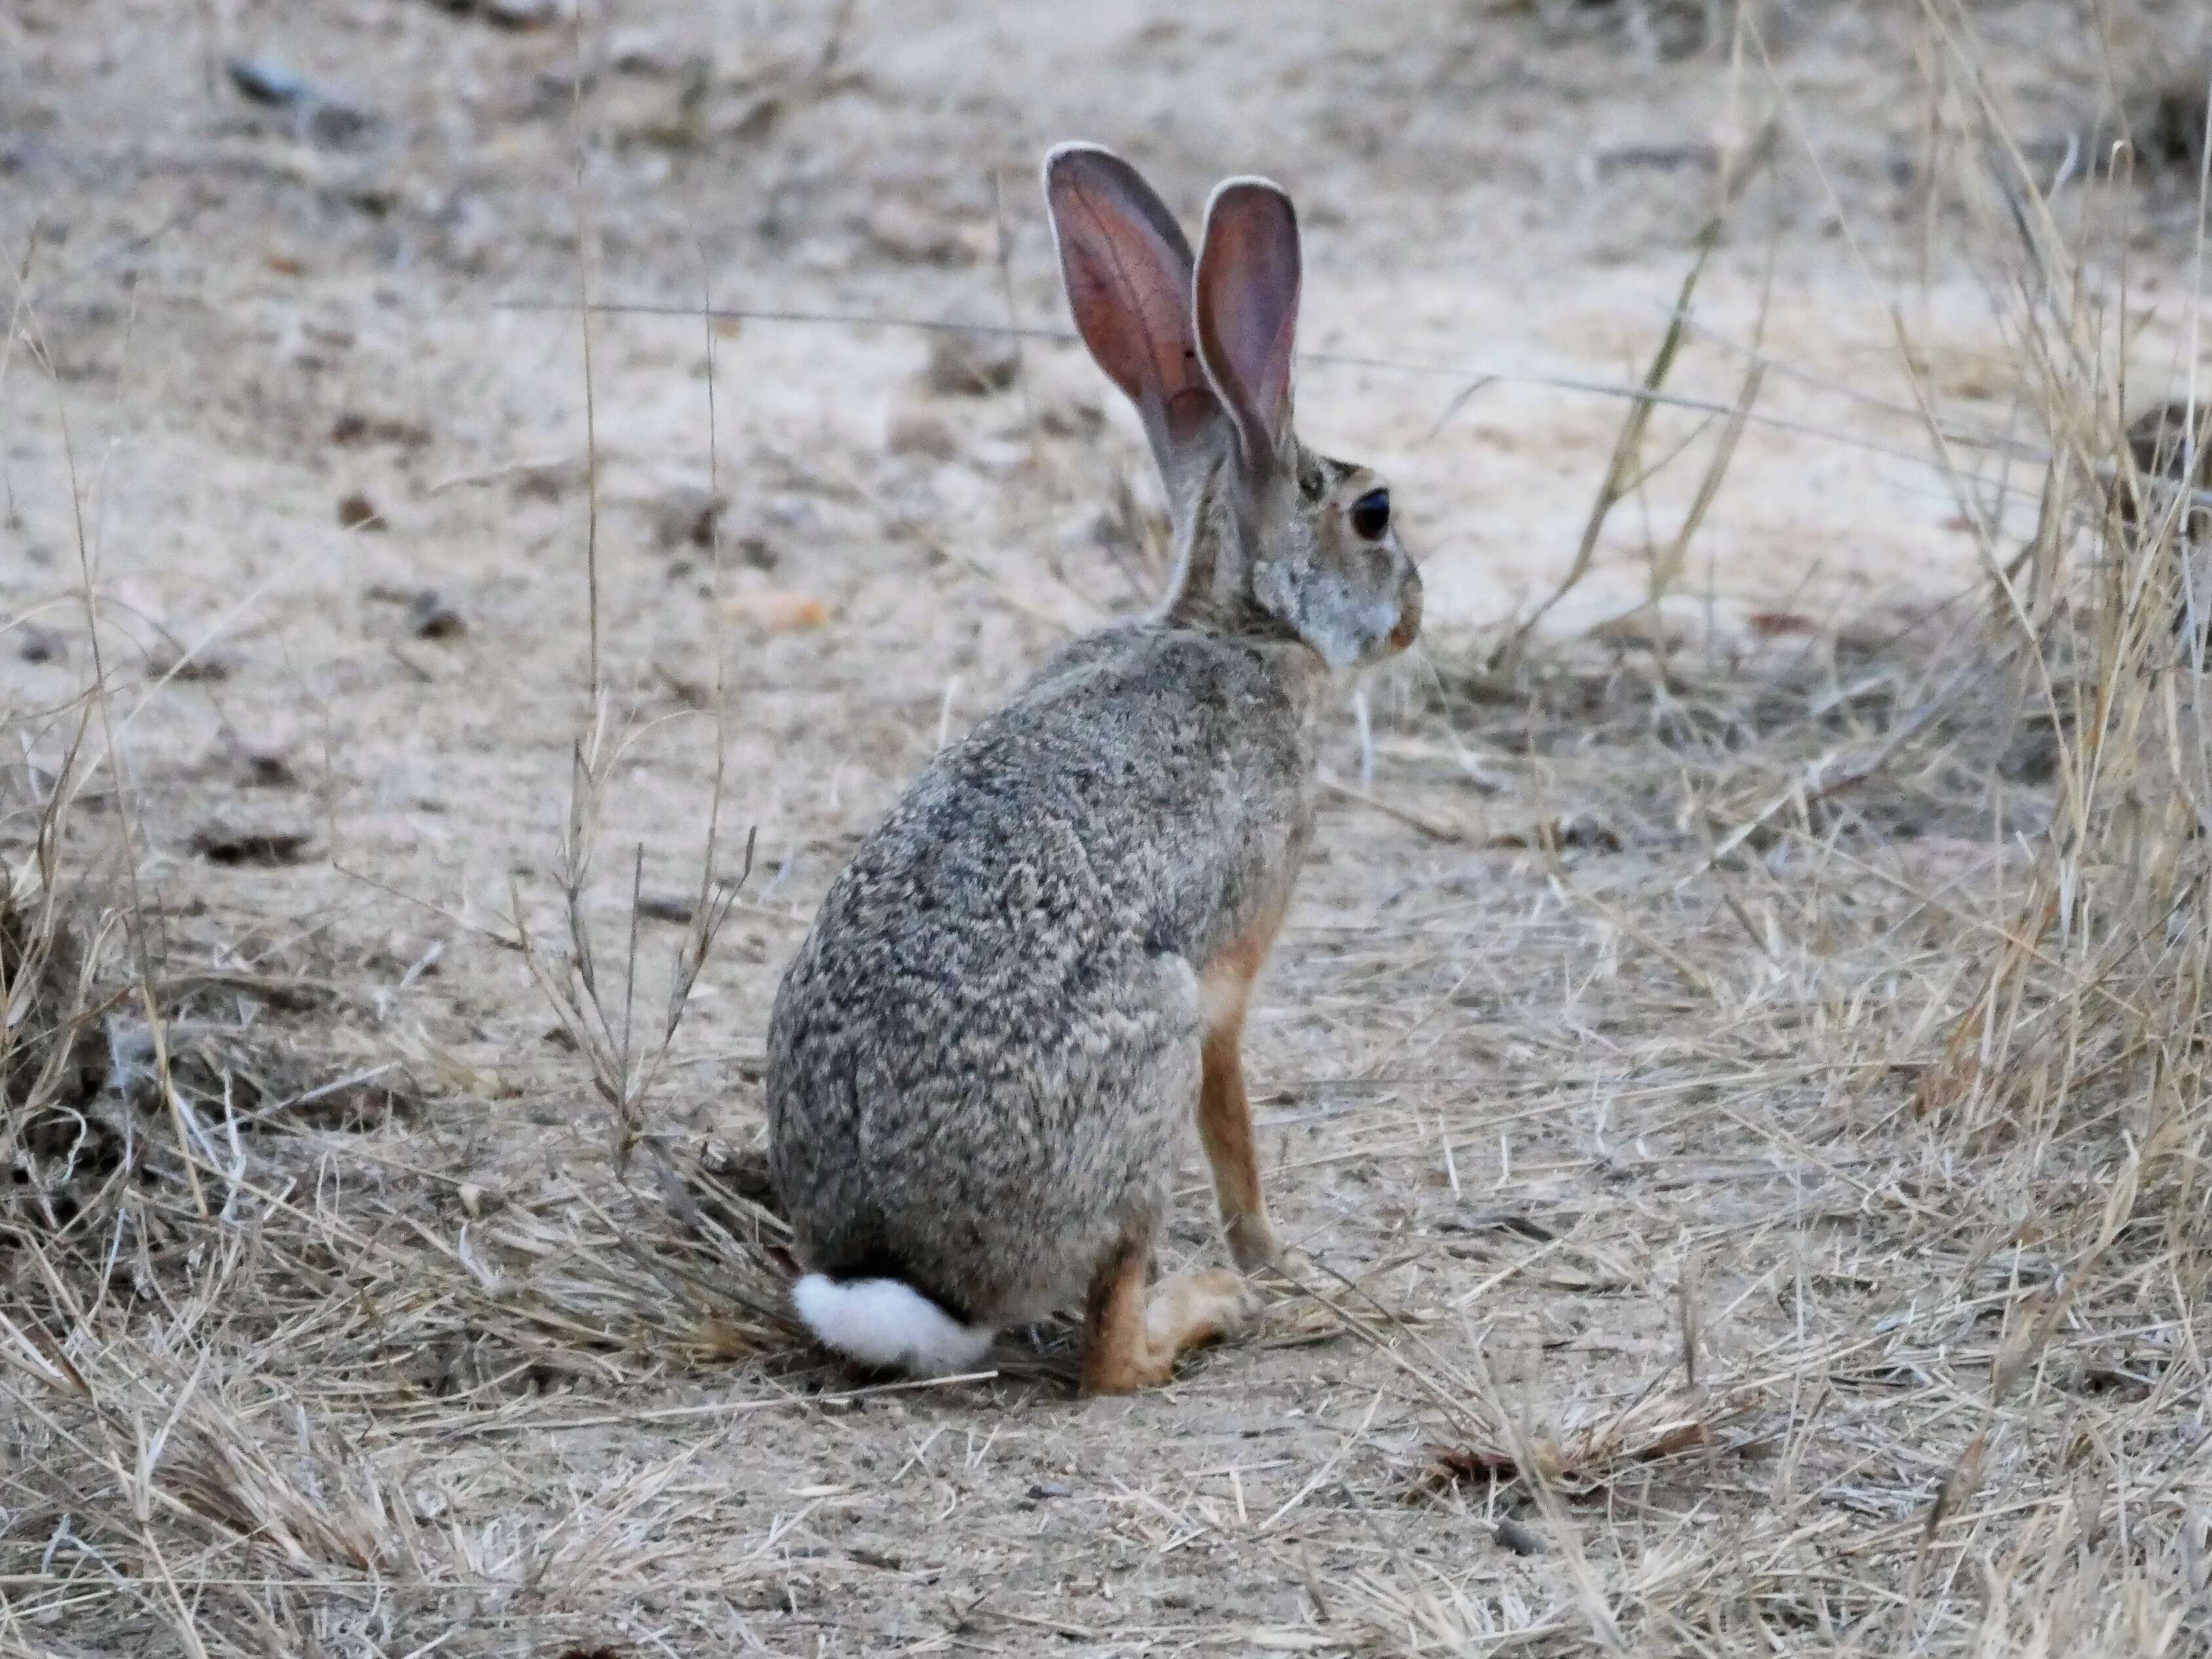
(1621, 473)
(1433, 828)
(585, 232)
(1668, 567)
(607, 1037)
(1566, 1536)
(602, 1027)
(36, 1044)
(1004, 249)
(135, 929)
(718, 621)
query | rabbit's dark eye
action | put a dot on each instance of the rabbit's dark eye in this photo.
(1370, 515)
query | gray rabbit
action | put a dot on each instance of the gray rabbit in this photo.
(982, 1061)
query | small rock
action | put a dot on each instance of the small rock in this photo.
(431, 617)
(1068, 417)
(354, 427)
(357, 512)
(971, 365)
(1583, 830)
(912, 431)
(637, 51)
(317, 115)
(1516, 1537)
(507, 14)
(265, 846)
(548, 480)
(207, 667)
(34, 644)
(688, 513)
(521, 14)
(678, 907)
(756, 120)
(267, 82)
(265, 768)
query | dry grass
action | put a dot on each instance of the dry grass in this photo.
(1845, 1086)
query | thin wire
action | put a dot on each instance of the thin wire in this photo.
(1349, 360)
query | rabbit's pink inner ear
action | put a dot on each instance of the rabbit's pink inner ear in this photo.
(1248, 273)
(1128, 270)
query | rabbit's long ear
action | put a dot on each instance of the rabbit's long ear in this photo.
(1246, 312)
(1128, 270)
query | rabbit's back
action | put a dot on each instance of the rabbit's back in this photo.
(982, 1059)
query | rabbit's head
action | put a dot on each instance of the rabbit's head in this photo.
(1271, 538)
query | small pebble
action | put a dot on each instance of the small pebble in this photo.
(687, 513)
(318, 115)
(432, 618)
(355, 427)
(1070, 416)
(39, 645)
(357, 512)
(921, 432)
(1517, 1538)
(678, 907)
(971, 365)
(637, 51)
(265, 845)
(522, 14)
(208, 666)
(265, 768)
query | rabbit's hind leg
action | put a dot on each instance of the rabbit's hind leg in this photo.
(1130, 1339)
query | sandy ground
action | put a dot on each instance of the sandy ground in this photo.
(1507, 1110)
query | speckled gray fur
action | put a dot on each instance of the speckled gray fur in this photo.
(982, 1062)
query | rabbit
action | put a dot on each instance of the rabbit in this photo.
(982, 1058)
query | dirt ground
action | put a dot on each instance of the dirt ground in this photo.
(1603, 1168)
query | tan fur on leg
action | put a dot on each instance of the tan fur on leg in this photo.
(1224, 1113)
(1119, 1355)
(1130, 1340)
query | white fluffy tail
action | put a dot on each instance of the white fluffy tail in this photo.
(881, 1321)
